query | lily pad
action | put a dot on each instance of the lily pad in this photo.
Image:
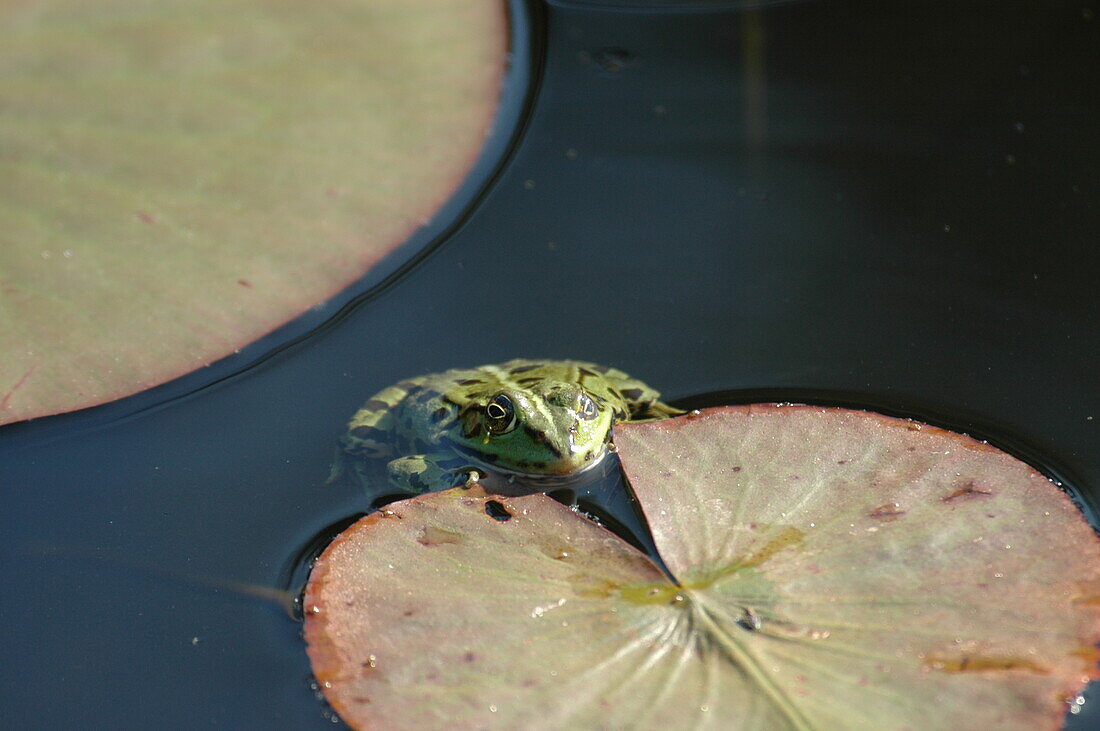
(833, 569)
(179, 178)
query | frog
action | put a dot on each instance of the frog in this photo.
(542, 422)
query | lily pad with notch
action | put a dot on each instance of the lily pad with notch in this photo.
(829, 569)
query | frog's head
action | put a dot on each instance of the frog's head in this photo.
(552, 429)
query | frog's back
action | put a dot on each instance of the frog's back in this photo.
(430, 406)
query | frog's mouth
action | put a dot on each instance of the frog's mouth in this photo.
(540, 478)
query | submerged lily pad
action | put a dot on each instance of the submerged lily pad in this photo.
(179, 178)
(833, 569)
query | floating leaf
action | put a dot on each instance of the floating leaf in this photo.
(178, 178)
(896, 570)
(835, 569)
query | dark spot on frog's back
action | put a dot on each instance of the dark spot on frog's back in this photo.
(633, 394)
(376, 404)
(522, 369)
(367, 432)
(588, 372)
(470, 382)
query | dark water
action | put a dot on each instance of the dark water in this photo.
(892, 205)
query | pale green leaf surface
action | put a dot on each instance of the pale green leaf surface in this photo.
(837, 570)
(902, 575)
(180, 177)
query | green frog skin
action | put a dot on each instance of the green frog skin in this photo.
(538, 421)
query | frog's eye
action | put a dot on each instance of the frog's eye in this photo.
(500, 415)
(588, 410)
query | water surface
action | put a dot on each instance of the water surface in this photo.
(882, 205)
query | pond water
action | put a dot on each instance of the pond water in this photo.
(873, 204)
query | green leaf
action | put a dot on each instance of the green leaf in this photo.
(901, 574)
(835, 569)
(178, 178)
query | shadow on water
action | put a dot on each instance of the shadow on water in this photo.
(860, 204)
